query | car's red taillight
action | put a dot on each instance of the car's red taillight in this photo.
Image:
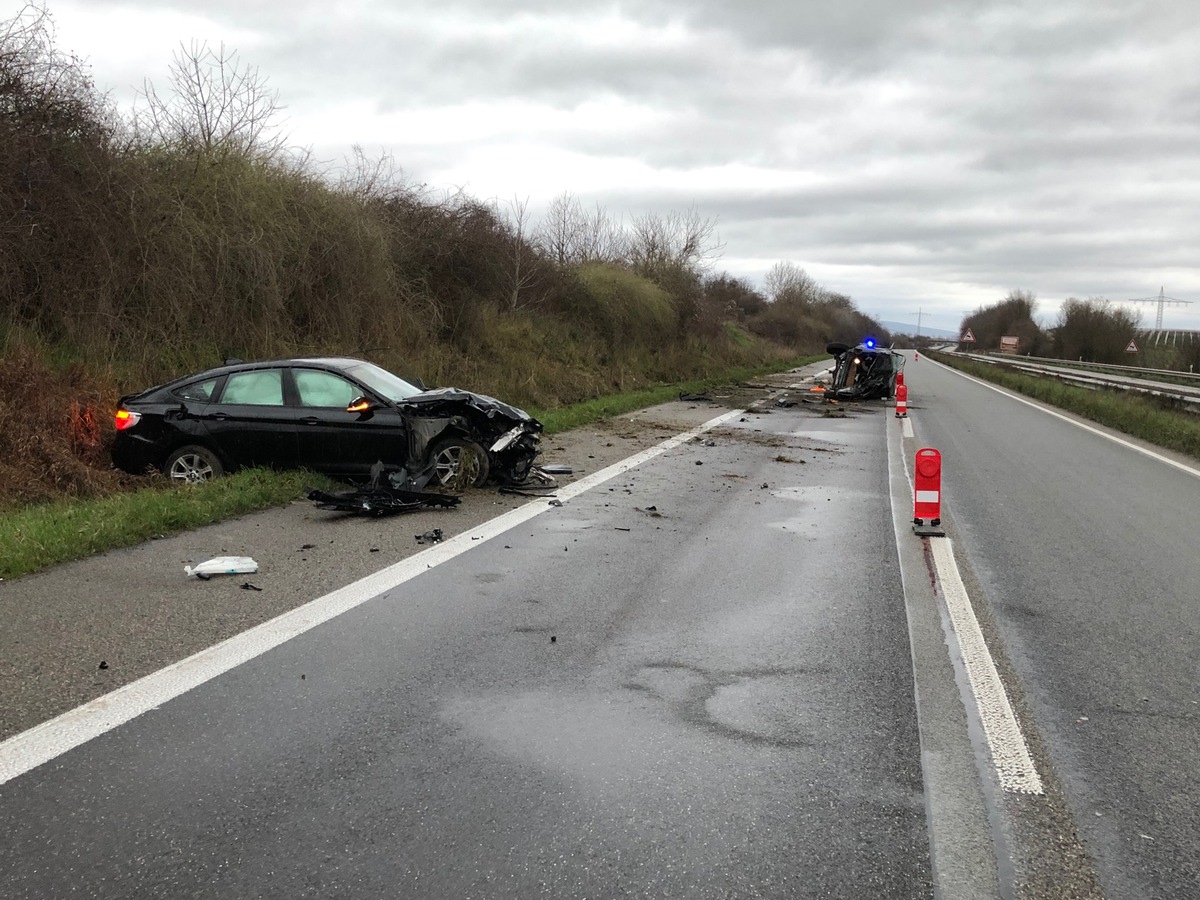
(126, 419)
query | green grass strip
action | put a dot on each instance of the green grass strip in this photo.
(580, 414)
(40, 536)
(1148, 418)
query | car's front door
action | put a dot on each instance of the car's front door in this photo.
(331, 439)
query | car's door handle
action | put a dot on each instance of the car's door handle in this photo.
(220, 417)
(310, 420)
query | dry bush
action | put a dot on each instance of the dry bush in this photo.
(57, 425)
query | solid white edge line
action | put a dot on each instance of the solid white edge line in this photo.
(1010, 754)
(42, 743)
(1183, 467)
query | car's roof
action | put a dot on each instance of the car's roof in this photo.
(332, 362)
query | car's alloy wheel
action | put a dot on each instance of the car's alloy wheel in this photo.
(459, 463)
(193, 465)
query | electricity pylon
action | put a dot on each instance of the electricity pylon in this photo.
(1162, 301)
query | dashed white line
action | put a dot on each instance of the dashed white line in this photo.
(29, 749)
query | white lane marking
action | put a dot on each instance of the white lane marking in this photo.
(44, 742)
(1010, 753)
(1182, 467)
(907, 428)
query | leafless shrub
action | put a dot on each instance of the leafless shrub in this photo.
(218, 106)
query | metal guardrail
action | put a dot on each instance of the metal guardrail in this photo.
(1090, 366)
(1065, 371)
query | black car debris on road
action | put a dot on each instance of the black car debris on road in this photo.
(334, 415)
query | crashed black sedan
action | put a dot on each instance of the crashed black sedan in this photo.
(863, 372)
(338, 415)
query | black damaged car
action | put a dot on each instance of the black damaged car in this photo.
(339, 416)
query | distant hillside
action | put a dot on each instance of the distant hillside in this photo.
(926, 330)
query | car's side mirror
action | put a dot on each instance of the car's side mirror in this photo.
(360, 405)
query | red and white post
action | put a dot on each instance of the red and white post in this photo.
(927, 499)
(901, 401)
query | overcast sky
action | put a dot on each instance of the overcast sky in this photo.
(915, 154)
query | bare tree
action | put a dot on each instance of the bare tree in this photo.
(787, 281)
(521, 272)
(218, 106)
(684, 240)
(570, 234)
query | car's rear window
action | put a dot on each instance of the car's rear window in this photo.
(197, 390)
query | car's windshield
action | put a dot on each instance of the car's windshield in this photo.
(383, 382)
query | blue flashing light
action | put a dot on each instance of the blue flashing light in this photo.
(870, 343)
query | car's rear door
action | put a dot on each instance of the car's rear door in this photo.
(331, 439)
(250, 423)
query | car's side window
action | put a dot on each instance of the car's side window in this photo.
(198, 390)
(324, 389)
(261, 388)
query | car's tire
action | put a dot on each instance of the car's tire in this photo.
(836, 347)
(193, 464)
(459, 463)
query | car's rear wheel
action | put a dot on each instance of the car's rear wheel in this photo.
(193, 464)
(459, 463)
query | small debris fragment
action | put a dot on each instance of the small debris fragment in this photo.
(699, 462)
(619, 528)
(553, 639)
(556, 502)
(103, 664)
(247, 586)
(429, 537)
(373, 550)
(307, 546)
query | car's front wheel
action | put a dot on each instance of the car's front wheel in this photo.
(459, 463)
(193, 464)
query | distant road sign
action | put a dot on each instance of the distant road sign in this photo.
(1131, 347)
(967, 337)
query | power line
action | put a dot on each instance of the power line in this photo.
(1162, 300)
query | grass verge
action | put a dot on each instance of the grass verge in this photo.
(580, 414)
(39, 536)
(43, 535)
(1151, 419)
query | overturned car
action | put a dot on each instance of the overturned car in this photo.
(335, 415)
(863, 372)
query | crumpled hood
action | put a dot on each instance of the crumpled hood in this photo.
(427, 403)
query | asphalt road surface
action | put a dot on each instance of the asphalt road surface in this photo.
(724, 669)
(693, 680)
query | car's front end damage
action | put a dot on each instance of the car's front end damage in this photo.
(509, 436)
(864, 372)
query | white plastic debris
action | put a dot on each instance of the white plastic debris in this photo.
(223, 565)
